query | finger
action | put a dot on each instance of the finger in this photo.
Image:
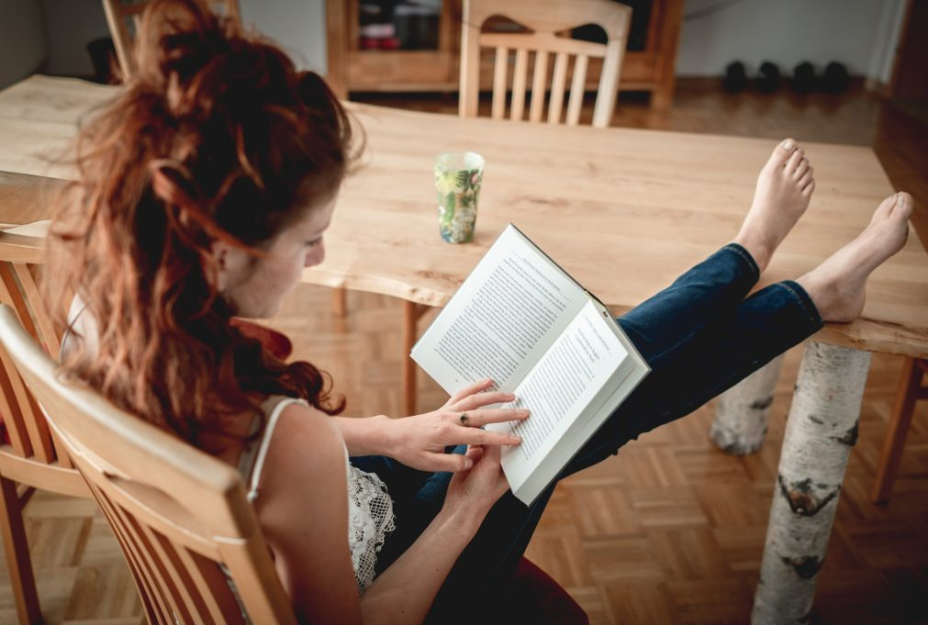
(480, 418)
(478, 400)
(476, 436)
(453, 462)
(471, 389)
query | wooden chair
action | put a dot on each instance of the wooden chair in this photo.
(181, 516)
(910, 391)
(32, 458)
(545, 18)
(123, 19)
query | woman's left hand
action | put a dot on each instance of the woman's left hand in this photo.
(420, 440)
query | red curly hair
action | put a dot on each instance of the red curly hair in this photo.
(216, 137)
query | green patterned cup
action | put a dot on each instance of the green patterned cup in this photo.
(457, 180)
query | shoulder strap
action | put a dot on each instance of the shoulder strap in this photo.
(252, 459)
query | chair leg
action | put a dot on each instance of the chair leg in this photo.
(411, 314)
(339, 302)
(899, 420)
(22, 578)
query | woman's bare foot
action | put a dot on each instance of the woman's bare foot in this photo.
(838, 286)
(784, 187)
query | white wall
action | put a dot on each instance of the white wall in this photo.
(297, 25)
(22, 39)
(861, 34)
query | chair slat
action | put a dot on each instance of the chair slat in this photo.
(556, 103)
(500, 72)
(144, 564)
(37, 426)
(155, 556)
(518, 85)
(22, 416)
(45, 328)
(142, 583)
(538, 86)
(11, 295)
(577, 87)
(9, 408)
(203, 578)
(200, 613)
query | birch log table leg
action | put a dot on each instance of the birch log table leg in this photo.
(820, 431)
(742, 412)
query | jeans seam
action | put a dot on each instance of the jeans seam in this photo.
(815, 319)
(746, 257)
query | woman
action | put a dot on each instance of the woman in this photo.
(207, 187)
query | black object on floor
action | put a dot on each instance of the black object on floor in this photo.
(736, 79)
(769, 79)
(804, 79)
(836, 78)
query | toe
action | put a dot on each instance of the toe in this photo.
(802, 169)
(805, 179)
(904, 205)
(794, 159)
(886, 206)
(782, 152)
(809, 188)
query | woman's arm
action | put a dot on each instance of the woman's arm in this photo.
(366, 436)
(303, 512)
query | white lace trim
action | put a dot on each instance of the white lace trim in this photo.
(370, 519)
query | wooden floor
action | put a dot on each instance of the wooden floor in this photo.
(670, 530)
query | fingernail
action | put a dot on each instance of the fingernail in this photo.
(525, 413)
(468, 463)
(788, 144)
(516, 440)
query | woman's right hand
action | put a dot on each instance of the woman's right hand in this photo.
(475, 490)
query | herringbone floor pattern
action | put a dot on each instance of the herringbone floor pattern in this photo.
(670, 530)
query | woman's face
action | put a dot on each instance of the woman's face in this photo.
(255, 287)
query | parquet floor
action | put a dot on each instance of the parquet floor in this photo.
(668, 531)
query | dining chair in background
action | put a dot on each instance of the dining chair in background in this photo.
(123, 19)
(30, 456)
(549, 23)
(547, 20)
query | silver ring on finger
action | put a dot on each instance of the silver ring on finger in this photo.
(464, 419)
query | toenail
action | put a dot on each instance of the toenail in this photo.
(788, 144)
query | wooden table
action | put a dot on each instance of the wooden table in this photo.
(624, 211)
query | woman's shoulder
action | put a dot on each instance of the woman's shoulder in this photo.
(304, 437)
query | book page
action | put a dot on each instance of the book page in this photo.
(502, 318)
(558, 389)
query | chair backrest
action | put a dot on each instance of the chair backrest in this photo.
(545, 18)
(124, 19)
(179, 514)
(34, 456)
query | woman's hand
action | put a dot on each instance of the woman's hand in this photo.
(420, 441)
(475, 490)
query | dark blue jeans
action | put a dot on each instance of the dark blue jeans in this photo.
(700, 336)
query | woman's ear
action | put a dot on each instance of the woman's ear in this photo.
(230, 262)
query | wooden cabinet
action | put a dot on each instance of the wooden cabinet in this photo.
(648, 66)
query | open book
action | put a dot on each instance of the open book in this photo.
(524, 322)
